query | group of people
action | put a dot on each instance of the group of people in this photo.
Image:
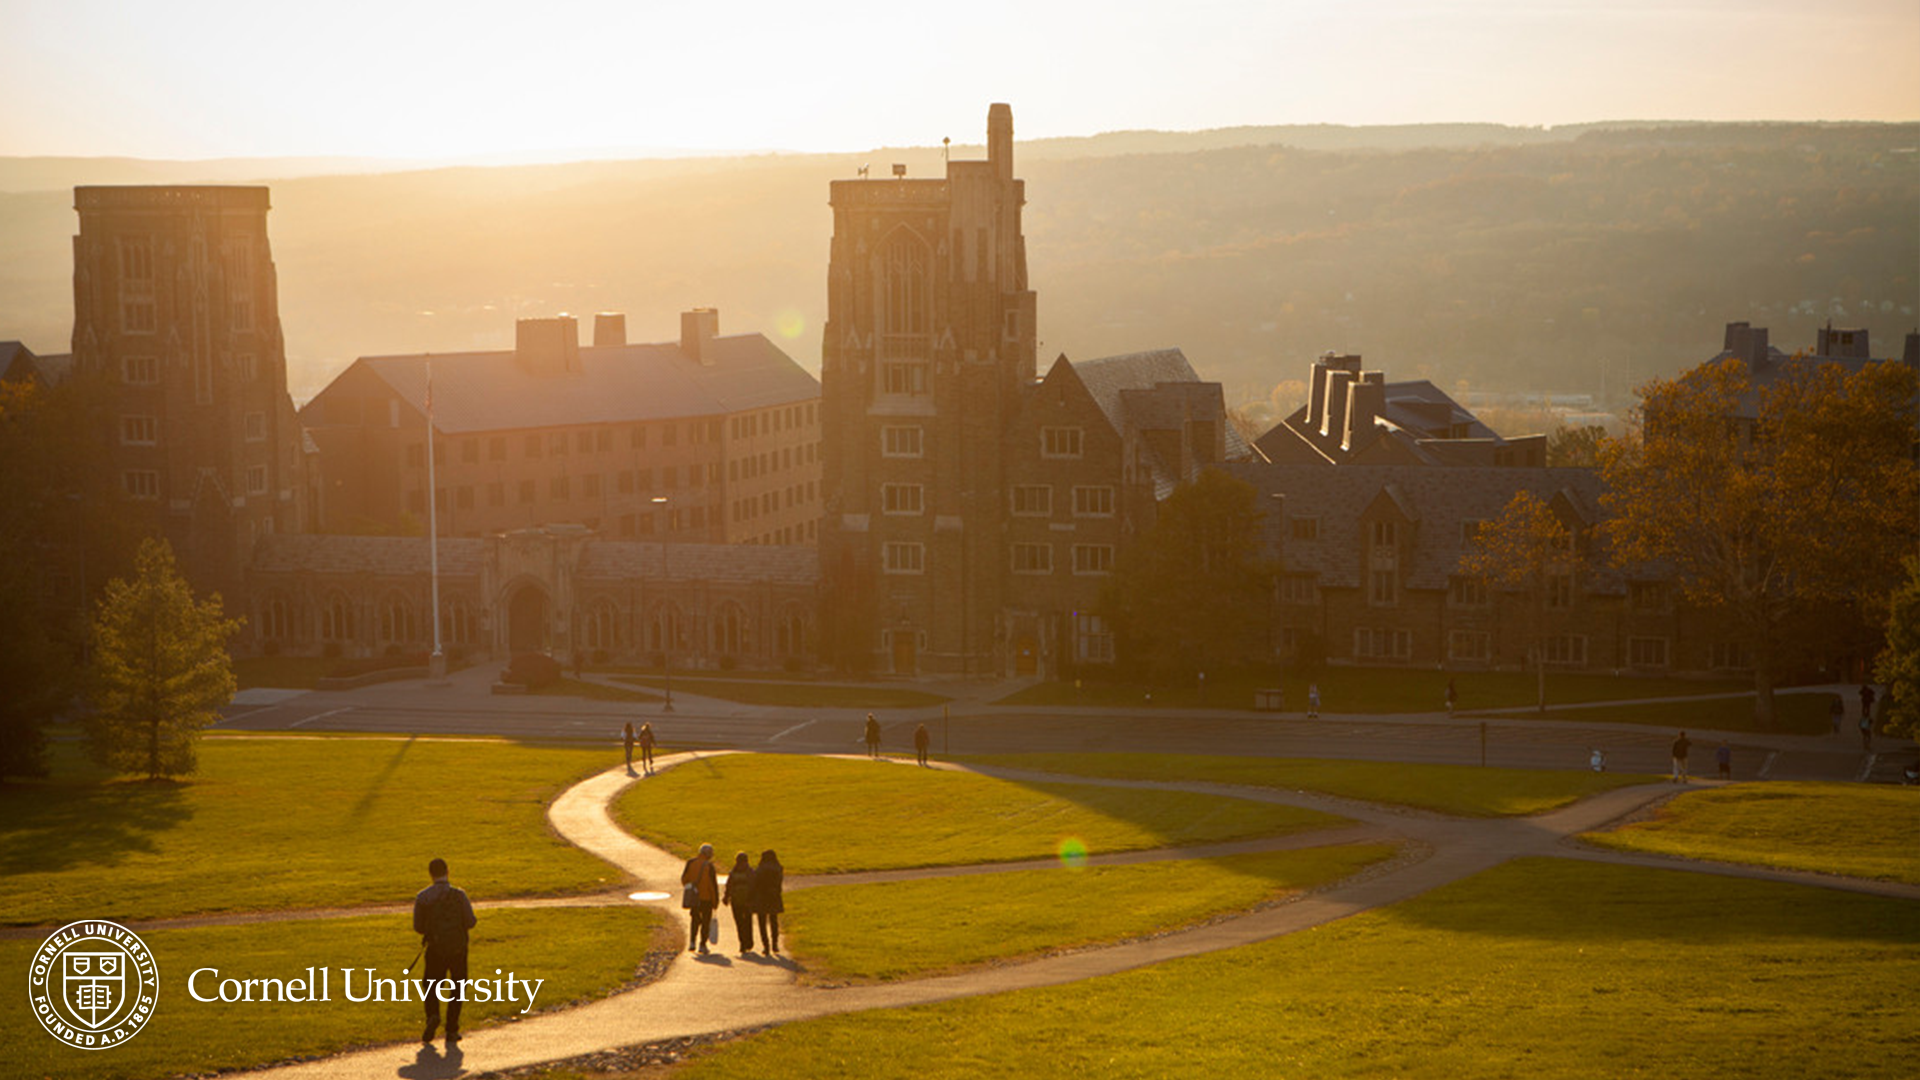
(753, 892)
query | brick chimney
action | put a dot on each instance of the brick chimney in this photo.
(698, 328)
(548, 346)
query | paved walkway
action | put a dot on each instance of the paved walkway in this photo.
(719, 993)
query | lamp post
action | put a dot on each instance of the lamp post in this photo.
(673, 624)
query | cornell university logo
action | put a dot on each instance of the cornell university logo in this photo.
(93, 984)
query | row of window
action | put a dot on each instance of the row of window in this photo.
(899, 557)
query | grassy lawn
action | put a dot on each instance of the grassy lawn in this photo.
(1801, 714)
(1375, 690)
(1860, 830)
(855, 931)
(1461, 790)
(580, 953)
(830, 816)
(1542, 969)
(272, 823)
(793, 695)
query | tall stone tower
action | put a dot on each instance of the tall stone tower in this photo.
(929, 344)
(176, 311)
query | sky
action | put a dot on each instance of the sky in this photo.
(187, 79)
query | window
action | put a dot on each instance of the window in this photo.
(139, 430)
(1093, 558)
(256, 479)
(1383, 533)
(256, 427)
(1093, 502)
(904, 377)
(1560, 591)
(1298, 588)
(1056, 442)
(898, 558)
(140, 370)
(1382, 644)
(141, 483)
(900, 442)
(1033, 558)
(1568, 649)
(900, 498)
(1469, 645)
(1383, 588)
(1464, 591)
(1647, 652)
(1304, 528)
(1033, 499)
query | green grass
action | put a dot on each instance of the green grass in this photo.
(1461, 790)
(794, 695)
(579, 952)
(1375, 690)
(1542, 969)
(1800, 714)
(855, 931)
(272, 823)
(1859, 830)
(830, 816)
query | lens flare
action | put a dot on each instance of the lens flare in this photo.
(1073, 853)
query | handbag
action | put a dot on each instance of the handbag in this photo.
(690, 896)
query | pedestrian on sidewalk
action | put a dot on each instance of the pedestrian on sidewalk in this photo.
(629, 741)
(1681, 746)
(921, 739)
(873, 737)
(700, 896)
(1313, 701)
(739, 897)
(646, 747)
(1723, 757)
(767, 901)
(442, 915)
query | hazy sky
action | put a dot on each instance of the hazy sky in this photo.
(402, 78)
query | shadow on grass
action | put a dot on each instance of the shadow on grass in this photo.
(61, 826)
(365, 805)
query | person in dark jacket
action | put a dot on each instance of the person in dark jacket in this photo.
(767, 902)
(704, 896)
(442, 915)
(739, 897)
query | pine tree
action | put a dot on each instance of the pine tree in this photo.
(161, 668)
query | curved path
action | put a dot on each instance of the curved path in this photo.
(718, 993)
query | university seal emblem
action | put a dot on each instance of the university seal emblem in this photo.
(93, 984)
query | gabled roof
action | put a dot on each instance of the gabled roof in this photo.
(492, 391)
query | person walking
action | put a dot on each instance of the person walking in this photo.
(700, 896)
(921, 740)
(629, 741)
(1723, 758)
(873, 736)
(1681, 746)
(442, 915)
(768, 878)
(646, 747)
(739, 897)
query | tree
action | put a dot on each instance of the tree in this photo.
(1771, 517)
(161, 668)
(1195, 590)
(1899, 663)
(1527, 549)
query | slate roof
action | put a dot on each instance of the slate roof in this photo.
(492, 391)
(1438, 501)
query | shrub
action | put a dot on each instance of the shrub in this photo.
(532, 670)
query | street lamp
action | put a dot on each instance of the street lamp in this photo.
(673, 624)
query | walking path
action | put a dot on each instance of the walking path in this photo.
(716, 993)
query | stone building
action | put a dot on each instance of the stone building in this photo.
(176, 307)
(707, 438)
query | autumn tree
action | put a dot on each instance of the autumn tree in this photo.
(1899, 663)
(1194, 591)
(1529, 551)
(161, 668)
(1771, 506)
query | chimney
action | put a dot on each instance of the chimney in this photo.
(1366, 401)
(548, 346)
(609, 329)
(698, 328)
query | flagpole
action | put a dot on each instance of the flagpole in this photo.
(436, 663)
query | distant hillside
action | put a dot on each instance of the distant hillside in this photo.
(1576, 259)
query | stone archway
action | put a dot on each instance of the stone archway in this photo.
(527, 619)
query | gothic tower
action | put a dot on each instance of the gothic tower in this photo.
(176, 311)
(929, 342)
